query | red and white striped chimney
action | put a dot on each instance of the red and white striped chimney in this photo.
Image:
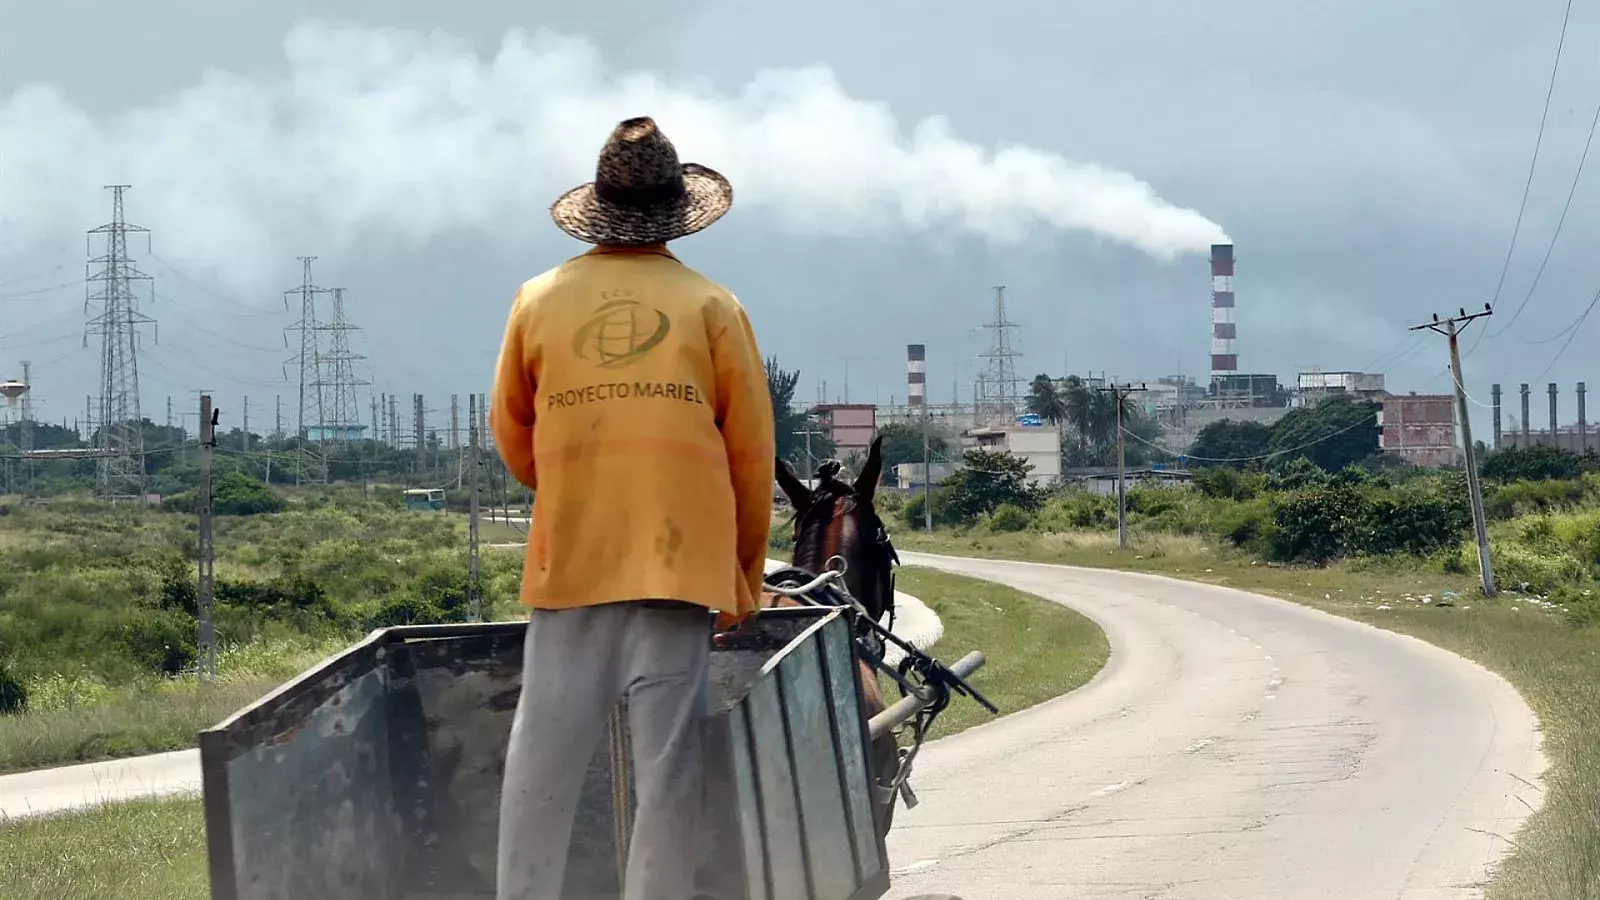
(1224, 328)
(916, 374)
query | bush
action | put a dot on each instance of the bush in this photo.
(234, 494)
(1223, 483)
(1320, 525)
(1252, 527)
(162, 640)
(1417, 525)
(1009, 518)
(1525, 497)
(13, 696)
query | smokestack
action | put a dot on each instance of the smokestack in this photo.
(916, 374)
(1526, 428)
(1495, 395)
(1553, 441)
(1583, 423)
(1224, 328)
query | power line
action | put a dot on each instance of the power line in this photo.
(1574, 328)
(1533, 165)
(1565, 208)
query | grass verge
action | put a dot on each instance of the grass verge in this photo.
(1034, 650)
(139, 850)
(80, 721)
(155, 849)
(1553, 664)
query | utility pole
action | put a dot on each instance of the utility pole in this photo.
(247, 423)
(455, 436)
(1451, 328)
(474, 601)
(811, 460)
(1118, 395)
(420, 427)
(207, 662)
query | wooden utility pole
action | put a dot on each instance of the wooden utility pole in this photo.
(1118, 395)
(811, 459)
(1451, 328)
(208, 638)
(474, 600)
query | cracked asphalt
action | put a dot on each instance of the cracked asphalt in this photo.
(1235, 747)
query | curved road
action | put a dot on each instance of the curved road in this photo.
(1235, 747)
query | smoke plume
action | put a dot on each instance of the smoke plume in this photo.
(400, 137)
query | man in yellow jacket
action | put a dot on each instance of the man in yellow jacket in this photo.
(631, 396)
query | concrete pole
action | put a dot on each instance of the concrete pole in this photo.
(1495, 394)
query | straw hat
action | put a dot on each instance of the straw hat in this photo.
(641, 194)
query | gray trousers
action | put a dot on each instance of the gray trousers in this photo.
(576, 664)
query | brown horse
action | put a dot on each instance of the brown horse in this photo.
(836, 519)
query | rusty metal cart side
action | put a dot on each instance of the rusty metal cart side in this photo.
(375, 775)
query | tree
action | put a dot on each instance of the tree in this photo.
(1230, 440)
(790, 424)
(1541, 462)
(984, 483)
(1047, 401)
(1340, 431)
(902, 443)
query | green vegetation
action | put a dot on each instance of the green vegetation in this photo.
(98, 609)
(155, 849)
(140, 850)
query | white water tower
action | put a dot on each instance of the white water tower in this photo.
(13, 390)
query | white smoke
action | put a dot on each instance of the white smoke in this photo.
(402, 136)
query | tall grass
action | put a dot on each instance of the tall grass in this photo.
(98, 634)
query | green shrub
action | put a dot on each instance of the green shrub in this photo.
(1321, 524)
(1220, 483)
(1517, 565)
(1417, 525)
(1525, 497)
(1252, 526)
(13, 696)
(1010, 518)
(162, 640)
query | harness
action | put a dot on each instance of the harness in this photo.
(917, 674)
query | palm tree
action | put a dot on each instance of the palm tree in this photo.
(1078, 404)
(1045, 400)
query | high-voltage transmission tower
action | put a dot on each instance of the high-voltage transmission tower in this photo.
(336, 381)
(1001, 401)
(110, 278)
(312, 405)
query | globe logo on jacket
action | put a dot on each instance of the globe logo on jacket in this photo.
(620, 333)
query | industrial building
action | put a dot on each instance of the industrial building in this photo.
(1039, 445)
(850, 426)
(1315, 386)
(1577, 438)
(1419, 428)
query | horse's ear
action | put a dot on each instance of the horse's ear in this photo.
(799, 496)
(871, 470)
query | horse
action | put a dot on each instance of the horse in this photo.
(836, 519)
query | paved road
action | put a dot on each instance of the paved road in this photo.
(1234, 747)
(58, 790)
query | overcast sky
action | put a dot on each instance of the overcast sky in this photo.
(892, 162)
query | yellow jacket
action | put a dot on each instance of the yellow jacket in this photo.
(631, 396)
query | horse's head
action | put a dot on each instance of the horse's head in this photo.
(836, 518)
